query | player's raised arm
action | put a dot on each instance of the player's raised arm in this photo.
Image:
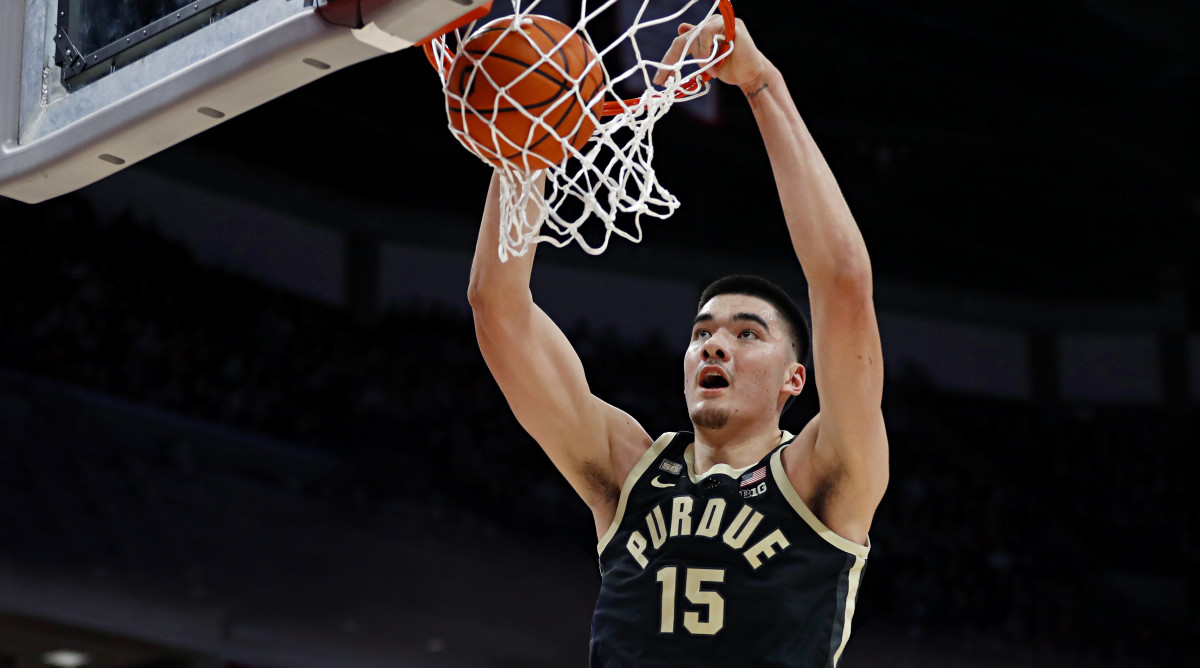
(851, 450)
(593, 444)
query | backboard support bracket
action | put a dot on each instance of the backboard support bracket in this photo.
(54, 140)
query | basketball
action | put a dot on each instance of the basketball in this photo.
(537, 84)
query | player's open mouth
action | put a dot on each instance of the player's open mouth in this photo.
(712, 378)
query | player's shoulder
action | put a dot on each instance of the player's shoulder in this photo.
(808, 475)
(822, 485)
(664, 456)
(627, 441)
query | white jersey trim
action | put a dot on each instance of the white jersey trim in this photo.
(638, 469)
(789, 493)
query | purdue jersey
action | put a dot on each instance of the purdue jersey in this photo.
(726, 569)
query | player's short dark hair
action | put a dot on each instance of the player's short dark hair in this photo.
(757, 286)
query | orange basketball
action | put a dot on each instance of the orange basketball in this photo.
(499, 71)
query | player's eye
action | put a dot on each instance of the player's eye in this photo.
(749, 334)
(700, 334)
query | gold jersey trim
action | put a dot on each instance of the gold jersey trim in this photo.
(785, 485)
(853, 580)
(638, 469)
(689, 458)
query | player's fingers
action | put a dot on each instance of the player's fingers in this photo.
(672, 56)
(697, 41)
(702, 44)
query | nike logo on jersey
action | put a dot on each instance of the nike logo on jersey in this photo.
(656, 483)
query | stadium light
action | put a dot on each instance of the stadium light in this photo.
(66, 658)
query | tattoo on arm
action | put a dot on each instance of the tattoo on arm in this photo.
(754, 93)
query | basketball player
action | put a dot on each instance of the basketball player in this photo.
(737, 544)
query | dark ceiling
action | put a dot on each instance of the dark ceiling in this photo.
(1038, 149)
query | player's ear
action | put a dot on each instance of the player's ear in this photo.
(794, 382)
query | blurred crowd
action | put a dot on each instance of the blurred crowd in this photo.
(1006, 524)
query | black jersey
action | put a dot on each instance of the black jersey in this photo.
(726, 569)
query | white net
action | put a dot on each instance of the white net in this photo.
(608, 177)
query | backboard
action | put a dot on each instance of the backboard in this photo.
(88, 87)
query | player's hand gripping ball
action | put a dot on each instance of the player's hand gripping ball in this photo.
(522, 93)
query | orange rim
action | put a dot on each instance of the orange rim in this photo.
(611, 107)
(692, 83)
(427, 43)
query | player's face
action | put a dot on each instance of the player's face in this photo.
(739, 363)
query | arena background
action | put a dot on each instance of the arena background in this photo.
(243, 420)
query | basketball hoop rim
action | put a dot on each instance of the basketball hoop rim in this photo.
(611, 107)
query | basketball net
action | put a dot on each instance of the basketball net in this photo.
(612, 174)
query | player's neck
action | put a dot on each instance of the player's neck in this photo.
(734, 447)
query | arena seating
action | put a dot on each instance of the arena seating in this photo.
(1008, 527)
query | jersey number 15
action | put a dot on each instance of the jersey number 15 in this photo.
(693, 621)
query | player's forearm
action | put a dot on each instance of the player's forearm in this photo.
(826, 238)
(495, 283)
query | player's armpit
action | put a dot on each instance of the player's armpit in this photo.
(628, 441)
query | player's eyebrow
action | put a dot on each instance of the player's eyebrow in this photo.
(752, 317)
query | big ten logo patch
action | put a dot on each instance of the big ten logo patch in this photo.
(760, 488)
